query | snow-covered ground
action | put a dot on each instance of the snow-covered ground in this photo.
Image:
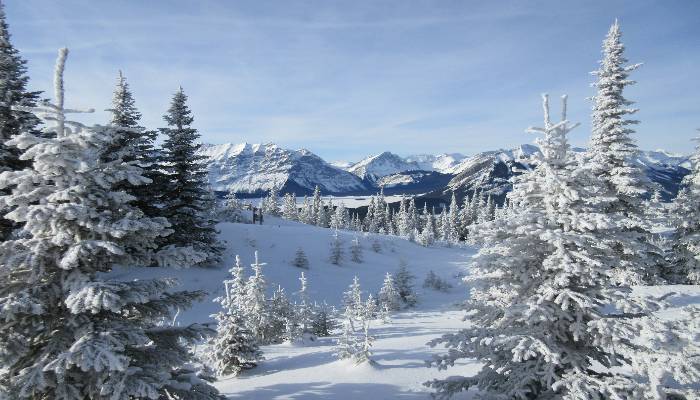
(311, 371)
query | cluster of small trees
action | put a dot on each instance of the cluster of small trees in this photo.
(249, 318)
(355, 342)
(451, 225)
(77, 201)
(552, 312)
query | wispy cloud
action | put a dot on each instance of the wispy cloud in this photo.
(349, 78)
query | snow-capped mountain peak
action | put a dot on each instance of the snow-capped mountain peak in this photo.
(380, 165)
(256, 168)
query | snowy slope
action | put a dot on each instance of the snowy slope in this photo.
(377, 166)
(255, 168)
(311, 371)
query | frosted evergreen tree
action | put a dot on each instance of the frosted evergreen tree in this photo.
(325, 320)
(13, 120)
(465, 218)
(281, 324)
(271, 203)
(232, 207)
(542, 319)
(185, 200)
(300, 259)
(685, 252)
(453, 217)
(317, 207)
(389, 298)
(445, 228)
(69, 332)
(427, 235)
(370, 218)
(404, 285)
(352, 299)
(339, 218)
(356, 342)
(612, 153)
(234, 348)
(356, 250)
(305, 311)
(254, 301)
(337, 254)
(380, 214)
(236, 286)
(289, 207)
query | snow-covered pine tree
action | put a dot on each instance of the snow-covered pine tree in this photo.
(356, 250)
(352, 299)
(305, 311)
(337, 253)
(357, 315)
(404, 284)
(612, 154)
(271, 203)
(289, 207)
(232, 207)
(282, 322)
(548, 321)
(13, 121)
(254, 302)
(453, 217)
(371, 218)
(339, 219)
(185, 200)
(324, 320)
(317, 207)
(389, 298)
(300, 259)
(234, 348)
(427, 235)
(69, 331)
(685, 253)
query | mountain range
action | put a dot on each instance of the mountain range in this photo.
(251, 170)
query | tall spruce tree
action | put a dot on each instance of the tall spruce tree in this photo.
(69, 331)
(134, 144)
(186, 203)
(13, 121)
(612, 154)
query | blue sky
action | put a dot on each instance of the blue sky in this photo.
(350, 78)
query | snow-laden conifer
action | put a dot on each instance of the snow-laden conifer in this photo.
(356, 250)
(389, 297)
(13, 120)
(69, 331)
(547, 319)
(337, 253)
(235, 347)
(300, 259)
(404, 284)
(611, 155)
(290, 210)
(254, 301)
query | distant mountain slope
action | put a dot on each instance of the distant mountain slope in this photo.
(375, 167)
(490, 172)
(443, 163)
(253, 169)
